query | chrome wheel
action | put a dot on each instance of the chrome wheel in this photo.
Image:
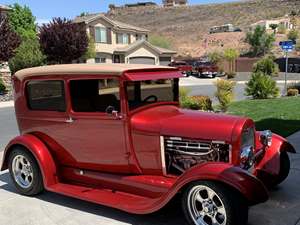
(206, 207)
(22, 171)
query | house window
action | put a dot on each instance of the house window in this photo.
(122, 38)
(100, 60)
(100, 35)
(46, 95)
(141, 37)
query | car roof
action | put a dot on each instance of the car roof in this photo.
(88, 69)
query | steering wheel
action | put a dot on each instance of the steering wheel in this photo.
(149, 97)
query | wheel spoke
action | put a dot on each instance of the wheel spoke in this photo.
(200, 221)
(210, 194)
(222, 211)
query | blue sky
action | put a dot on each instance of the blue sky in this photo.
(45, 10)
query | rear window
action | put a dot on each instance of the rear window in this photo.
(46, 95)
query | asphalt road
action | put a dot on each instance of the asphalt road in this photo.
(283, 208)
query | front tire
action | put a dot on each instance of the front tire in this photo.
(25, 172)
(210, 203)
(285, 166)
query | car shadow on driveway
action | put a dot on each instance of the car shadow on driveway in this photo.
(171, 214)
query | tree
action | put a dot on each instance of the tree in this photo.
(22, 21)
(224, 93)
(9, 40)
(267, 66)
(274, 27)
(262, 86)
(216, 57)
(91, 50)
(159, 41)
(260, 41)
(63, 41)
(28, 54)
(293, 35)
(231, 55)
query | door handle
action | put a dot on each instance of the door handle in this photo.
(69, 120)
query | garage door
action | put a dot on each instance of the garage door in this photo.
(142, 60)
(165, 61)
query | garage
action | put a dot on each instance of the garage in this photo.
(142, 60)
(164, 61)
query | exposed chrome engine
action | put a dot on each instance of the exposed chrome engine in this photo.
(182, 154)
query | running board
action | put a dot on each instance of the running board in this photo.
(115, 199)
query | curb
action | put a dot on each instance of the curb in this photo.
(6, 104)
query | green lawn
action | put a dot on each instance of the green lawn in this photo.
(282, 115)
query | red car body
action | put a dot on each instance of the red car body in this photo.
(119, 161)
(182, 66)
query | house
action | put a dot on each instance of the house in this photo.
(170, 3)
(140, 4)
(4, 10)
(284, 22)
(118, 42)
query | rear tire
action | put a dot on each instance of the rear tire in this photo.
(210, 203)
(25, 172)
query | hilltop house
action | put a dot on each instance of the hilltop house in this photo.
(117, 42)
(284, 22)
(170, 3)
(4, 10)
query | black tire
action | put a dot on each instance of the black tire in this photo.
(285, 166)
(236, 207)
(36, 185)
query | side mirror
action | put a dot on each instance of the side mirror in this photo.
(109, 110)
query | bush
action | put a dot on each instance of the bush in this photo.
(293, 35)
(2, 87)
(267, 66)
(160, 41)
(197, 103)
(231, 75)
(28, 54)
(261, 86)
(293, 92)
(295, 85)
(281, 29)
(224, 93)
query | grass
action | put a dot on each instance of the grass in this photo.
(281, 115)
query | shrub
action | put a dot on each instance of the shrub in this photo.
(293, 92)
(295, 85)
(224, 93)
(261, 86)
(197, 103)
(160, 41)
(281, 29)
(231, 75)
(267, 66)
(293, 35)
(28, 54)
(2, 87)
(183, 93)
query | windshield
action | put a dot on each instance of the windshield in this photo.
(141, 93)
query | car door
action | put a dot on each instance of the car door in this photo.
(92, 138)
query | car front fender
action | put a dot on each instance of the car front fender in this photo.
(41, 153)
(270, 162)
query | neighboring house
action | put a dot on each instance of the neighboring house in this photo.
(4, 10)
(117, 42)
(285, 22)
(170, 3)
(113, 7)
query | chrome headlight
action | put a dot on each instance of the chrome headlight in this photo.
(266, 138)
(247, 148)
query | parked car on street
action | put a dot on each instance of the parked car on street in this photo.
(114, 134)
(182, 66)
(205, 69)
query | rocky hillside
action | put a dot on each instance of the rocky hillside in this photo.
(187, 27)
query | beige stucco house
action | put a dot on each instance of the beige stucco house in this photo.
(284, 22)
(117, 42)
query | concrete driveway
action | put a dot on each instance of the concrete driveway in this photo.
(283, 208)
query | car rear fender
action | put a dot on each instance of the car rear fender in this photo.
(252, 189)
(271, 160)
(41, 153)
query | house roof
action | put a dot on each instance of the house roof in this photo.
(116, 24)
(4, 7)
(139, 43)
(87, 69)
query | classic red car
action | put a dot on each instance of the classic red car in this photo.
(205, 69)
(182, 66)
(115, 135)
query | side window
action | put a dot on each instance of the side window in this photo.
(95, 95)
(46, 95)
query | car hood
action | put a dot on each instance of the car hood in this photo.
(170, 120)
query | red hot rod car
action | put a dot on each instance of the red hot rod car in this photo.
(115, 135)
